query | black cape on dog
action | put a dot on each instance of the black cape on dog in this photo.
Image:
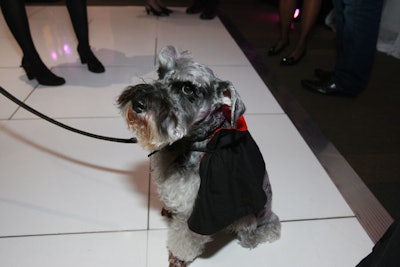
(232, 174)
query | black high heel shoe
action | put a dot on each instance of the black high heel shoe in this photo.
(290, 61)
(150, 10)
(87, 57)
(37, 70)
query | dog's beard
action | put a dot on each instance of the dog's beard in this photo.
(146, 131)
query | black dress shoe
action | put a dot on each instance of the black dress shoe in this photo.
(325, 88)
(323, 75)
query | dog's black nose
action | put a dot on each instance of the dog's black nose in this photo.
(138, 106)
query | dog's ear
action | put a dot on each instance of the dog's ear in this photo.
(167, 60)
(231, 98)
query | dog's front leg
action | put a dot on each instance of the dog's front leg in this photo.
(183, 245)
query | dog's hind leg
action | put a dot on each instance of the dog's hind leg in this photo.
(253, 230)
(261, 227)
(184, 245)
(270, 229)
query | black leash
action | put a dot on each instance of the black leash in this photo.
(37, 113)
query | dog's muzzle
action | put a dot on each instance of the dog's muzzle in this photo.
(141, 105)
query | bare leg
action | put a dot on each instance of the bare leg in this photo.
(286, 10)
(310, 11)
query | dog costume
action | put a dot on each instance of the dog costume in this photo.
(232, 172)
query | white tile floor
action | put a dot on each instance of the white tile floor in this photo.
(68, 200)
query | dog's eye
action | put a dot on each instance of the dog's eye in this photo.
(187, 89)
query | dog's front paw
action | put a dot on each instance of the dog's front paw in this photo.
(175, 262)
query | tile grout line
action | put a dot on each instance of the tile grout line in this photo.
(158, 229)
(18, 107)
(73, 233)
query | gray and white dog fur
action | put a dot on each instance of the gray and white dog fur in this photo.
(175, 115)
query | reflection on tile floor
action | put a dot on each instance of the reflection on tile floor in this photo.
(68, 200)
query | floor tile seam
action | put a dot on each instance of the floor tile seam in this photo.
(345, 217)
(149, 192)
(147, 248)
(157, 229)
(22, 100)
(74, 233)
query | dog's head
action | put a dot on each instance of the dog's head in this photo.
(187, 101)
